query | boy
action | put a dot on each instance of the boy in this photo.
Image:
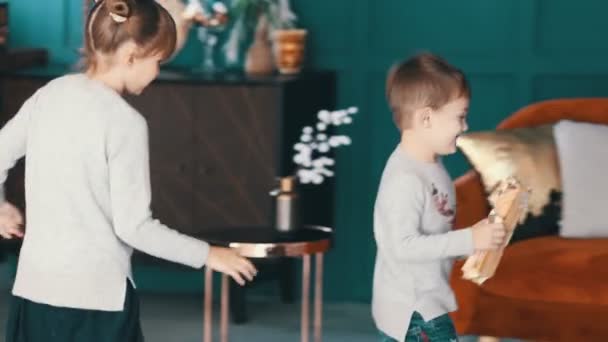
(415, 205)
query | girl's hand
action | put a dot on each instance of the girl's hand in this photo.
(228, 261)
(11, 221)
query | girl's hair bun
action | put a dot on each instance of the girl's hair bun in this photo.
(118, 7)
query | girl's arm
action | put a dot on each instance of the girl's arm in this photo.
(13, 140)
(129, 172)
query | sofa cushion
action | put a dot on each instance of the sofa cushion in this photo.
(530, 155)
(553, 269)
(581, 148)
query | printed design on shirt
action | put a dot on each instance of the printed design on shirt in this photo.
(441, 203)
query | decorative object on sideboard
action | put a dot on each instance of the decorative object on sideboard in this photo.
(182, 24)
(211, 19)
(315, 144)
(259, 59)
(289, 47)
(312, 165)
(286, 214)
(248, 16)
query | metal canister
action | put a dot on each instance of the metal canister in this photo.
(286, 205)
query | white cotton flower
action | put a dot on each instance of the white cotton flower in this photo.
(333, 142)
(304, 176)
(341, 139)
(337, 119)
(319, 162)
(317, 179)
(335, 115)
(302, 148)
(339, 114)
(323, 147)
(325, 172)
(302, 158)
(319, 142)
(299, 158)
(324, 116)
(326, 161)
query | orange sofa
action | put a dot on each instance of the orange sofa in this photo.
(546, 288)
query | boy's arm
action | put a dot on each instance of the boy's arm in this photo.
(13, 137)
(128, 159)
(399, 212)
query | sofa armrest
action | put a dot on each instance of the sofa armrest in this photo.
(471, 200)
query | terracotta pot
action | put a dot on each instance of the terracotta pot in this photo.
(289, 49)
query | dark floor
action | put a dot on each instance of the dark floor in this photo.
(178, 318)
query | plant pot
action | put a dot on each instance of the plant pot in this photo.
(289, 47)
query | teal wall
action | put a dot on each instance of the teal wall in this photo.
(514, 51)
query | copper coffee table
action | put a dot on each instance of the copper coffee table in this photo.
(266, 242)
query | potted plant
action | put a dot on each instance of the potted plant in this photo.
(313, 164)
(272, 20)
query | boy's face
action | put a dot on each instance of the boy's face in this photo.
(446, 124)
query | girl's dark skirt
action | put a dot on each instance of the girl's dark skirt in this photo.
(34, 322)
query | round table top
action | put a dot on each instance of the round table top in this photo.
(266, 242)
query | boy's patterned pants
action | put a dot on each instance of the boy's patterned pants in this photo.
(440, 329)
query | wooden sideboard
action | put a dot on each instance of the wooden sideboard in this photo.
(217, 142)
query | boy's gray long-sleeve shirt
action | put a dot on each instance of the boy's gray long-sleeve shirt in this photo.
(416, 245)
(88, 196)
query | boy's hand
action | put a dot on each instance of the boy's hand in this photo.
(228, 261)
(11, 221)
(488, 236)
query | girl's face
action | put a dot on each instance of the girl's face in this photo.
(140, 72)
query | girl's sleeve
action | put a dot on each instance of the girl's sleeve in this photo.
(128, 159)
(13, 140)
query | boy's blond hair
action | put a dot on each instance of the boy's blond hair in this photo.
(424, 80)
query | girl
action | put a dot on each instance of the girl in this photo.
(88, 188)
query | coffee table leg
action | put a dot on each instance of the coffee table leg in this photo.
(224, 308)
(318, 296)
(305, 298)
(207, 333)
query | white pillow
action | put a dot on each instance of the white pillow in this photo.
(583, 157)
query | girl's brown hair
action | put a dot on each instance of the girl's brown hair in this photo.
(421, 81)
(111, 23)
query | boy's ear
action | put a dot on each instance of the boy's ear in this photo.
(423, 117)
